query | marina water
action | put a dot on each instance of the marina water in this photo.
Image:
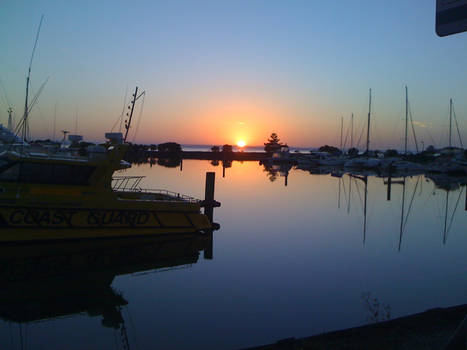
(288, 261)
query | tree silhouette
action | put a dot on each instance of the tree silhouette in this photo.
(271, 172)
(273, 144)
(227, 148)
(170, 147)
(274, 138)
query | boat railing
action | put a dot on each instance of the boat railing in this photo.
(171, 194)
(126, 183)
(131, 184)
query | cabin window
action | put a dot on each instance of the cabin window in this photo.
(63, 174)
(9, 172)
(72, 174)
(35, 172)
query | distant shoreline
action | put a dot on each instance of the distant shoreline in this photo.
(203, 155)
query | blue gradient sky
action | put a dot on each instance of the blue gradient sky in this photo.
(218, 71)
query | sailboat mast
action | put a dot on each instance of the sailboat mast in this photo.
(406, 117)
(450, 122)
(25, 128)
(55, 121)
(351, 131)
(76, 121)
(342, 129)
(25, 116)
(368, 127)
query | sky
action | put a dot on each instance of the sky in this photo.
(217, 72)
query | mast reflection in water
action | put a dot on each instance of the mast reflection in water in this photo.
(328, 251)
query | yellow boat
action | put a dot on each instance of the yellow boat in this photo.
(47, 196)
(61, 194)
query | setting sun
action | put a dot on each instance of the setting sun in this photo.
(241, 143)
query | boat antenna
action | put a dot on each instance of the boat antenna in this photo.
(368, 127)
(10, 109)
(65, 132)
(130, 115)
(10, 119)
(26, 107)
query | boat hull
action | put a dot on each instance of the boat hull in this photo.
(21, 235)
(23, 223)
(76, 205)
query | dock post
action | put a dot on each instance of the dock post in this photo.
(209, 211)
(389, 188)
(209, 195)
(181, 164)
(208, 250)
(223, 169)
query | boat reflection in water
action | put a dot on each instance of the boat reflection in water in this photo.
(53, 280)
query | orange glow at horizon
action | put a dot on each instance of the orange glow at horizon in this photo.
(238, 120)
(228, 120)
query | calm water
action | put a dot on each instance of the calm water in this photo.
(288, 261)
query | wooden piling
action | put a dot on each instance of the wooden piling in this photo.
(209, 204)
(208, 250)
(389, 188)
(209, 195)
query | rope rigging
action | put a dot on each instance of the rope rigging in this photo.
(413, 128)
(457, 126)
